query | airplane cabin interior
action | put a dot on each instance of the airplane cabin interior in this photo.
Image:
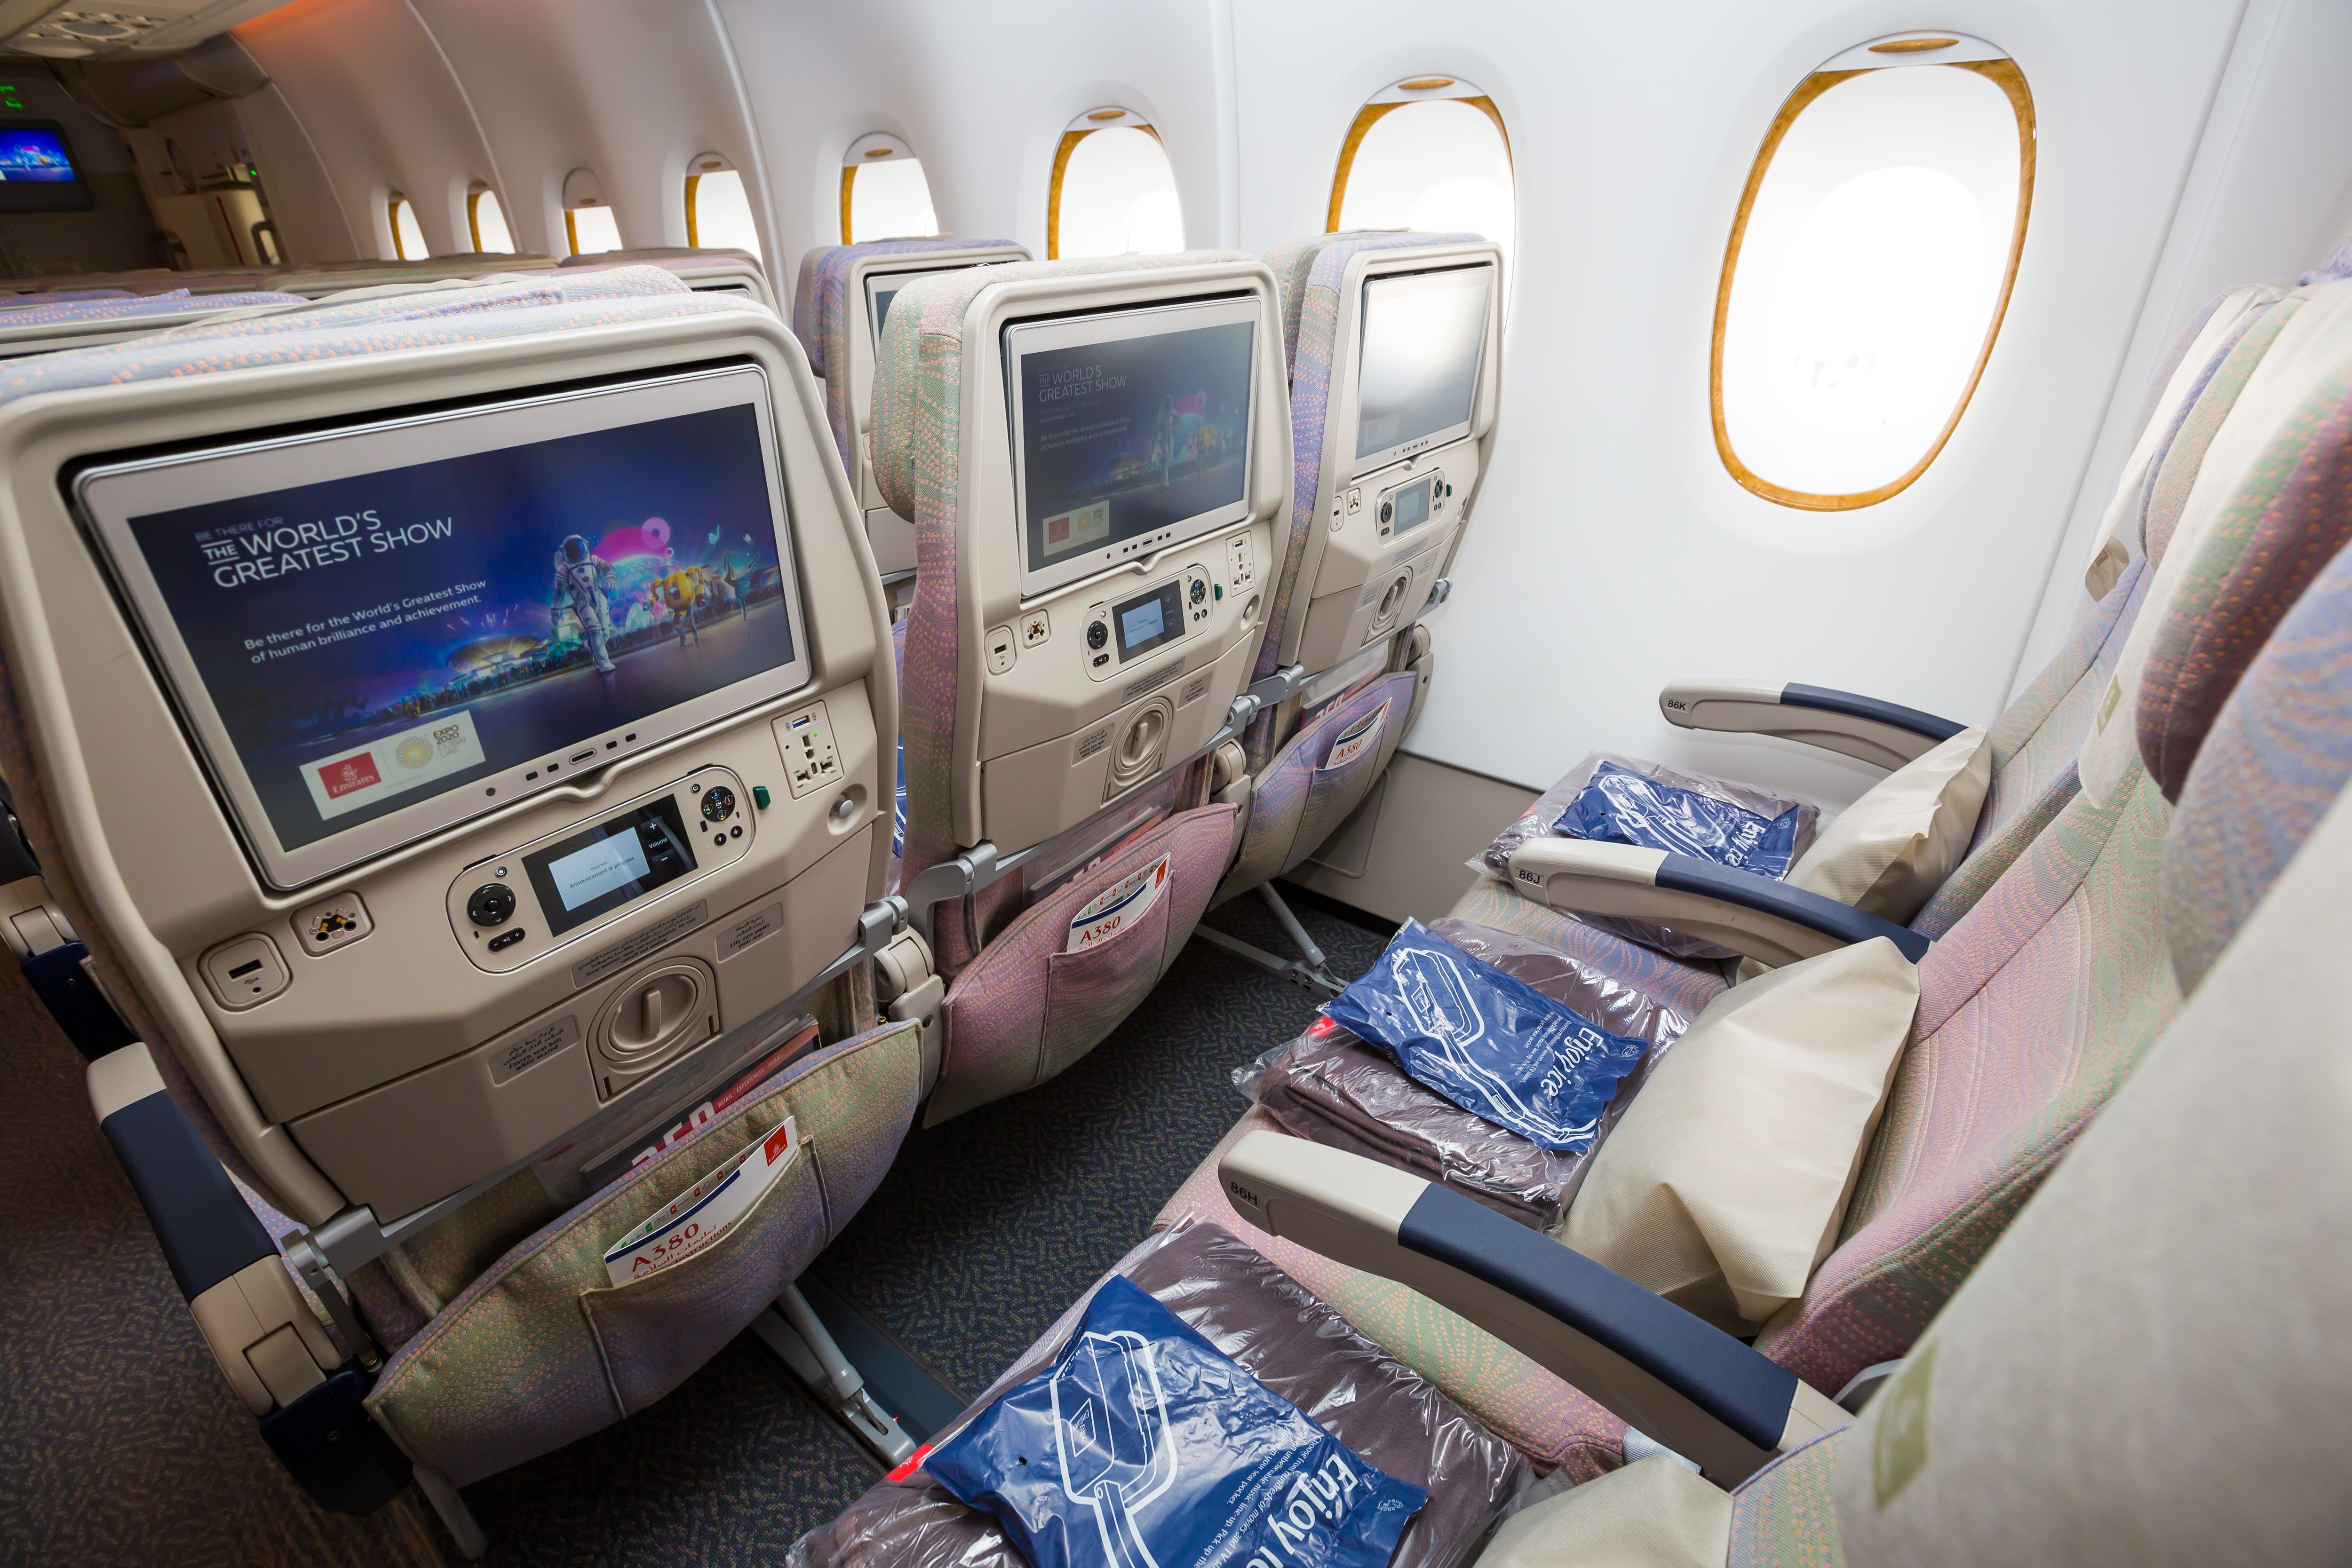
(1214, 786)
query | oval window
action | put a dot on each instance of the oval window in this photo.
(1113, 191)
(1869, 266)
(407, 233)
(1427, 154)
(884, 193)
(718, 207)
(487, 221)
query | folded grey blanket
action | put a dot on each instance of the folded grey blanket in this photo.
(1331, 1089)
(1286, 1339)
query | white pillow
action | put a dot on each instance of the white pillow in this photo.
(1888, 853)
(1726, 1182)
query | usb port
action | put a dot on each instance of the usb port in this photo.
(242, 970)
(802, 722)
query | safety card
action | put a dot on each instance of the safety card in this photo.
(1622, 807)
(1118, 906)
(702, 1213)
(1143, 1447)
(1493, 1045)
(1356, 739)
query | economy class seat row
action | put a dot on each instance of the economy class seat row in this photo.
(438, 1135)
(459, 1295)
(2034, 1005)
(441, 1302)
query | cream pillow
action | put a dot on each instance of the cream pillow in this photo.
(1888, 853)
(1725, 1184)
(1650, 1513)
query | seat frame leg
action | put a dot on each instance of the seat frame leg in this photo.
(456, 1517)
(1310, 971)
(793, 1330)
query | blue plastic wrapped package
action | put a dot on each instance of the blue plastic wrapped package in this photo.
(1142, 1445)
(1493, 1045)
(1622, 807)
(1539, 821)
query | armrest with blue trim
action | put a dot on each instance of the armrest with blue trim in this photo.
(1887, 735)
(1685, 1384)
(1766, 920)
(268, 1342)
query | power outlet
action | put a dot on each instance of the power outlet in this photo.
(810, 761)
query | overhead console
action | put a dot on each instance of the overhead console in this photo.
(1128, 461)
(1415, 383)
(477, 747)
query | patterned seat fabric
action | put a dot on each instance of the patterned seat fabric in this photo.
(2034, 1008)
(116, 305)
(2274, 762)
(821, 321)
(1296, 801)
(1018, 1010)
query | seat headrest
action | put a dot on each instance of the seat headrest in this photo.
(926, 328)
(2284, 525)
(820, 299)
(506, 307)
(62, 297)
(2273, 760)
(119, 307)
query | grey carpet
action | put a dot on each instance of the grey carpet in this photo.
(120, 1443)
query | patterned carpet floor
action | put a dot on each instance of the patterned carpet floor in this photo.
(121, 1444)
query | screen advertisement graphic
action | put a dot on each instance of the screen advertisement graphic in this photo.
(1417, 372)
(1127, 436)
(31, 154)
(371, 641)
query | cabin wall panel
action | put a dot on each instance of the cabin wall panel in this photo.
(1611, 550)
(982, 97)
(383, 110)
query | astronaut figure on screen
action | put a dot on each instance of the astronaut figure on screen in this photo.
(582, 580)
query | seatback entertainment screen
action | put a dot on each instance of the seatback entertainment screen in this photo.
(1130, 426)
(882, 289)
(1417, 362)
(381, 631)
(36, 170)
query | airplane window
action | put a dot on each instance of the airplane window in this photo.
(1113, 191)
(1869, 266)
(591, 229)
(487, 221)
(1428, 154)
(407, 234)
(884, 194)
(719, 209)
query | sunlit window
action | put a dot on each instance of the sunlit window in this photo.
(407, 234)
(1868, 269)
(487, 221)
(719, 208)
(1428, 154)
(1113, 191)
(884, 194)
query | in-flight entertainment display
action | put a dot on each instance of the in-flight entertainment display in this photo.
(1126, 425)
(37, 171)
(472, 624)
(883, 288)
(1417, 375)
